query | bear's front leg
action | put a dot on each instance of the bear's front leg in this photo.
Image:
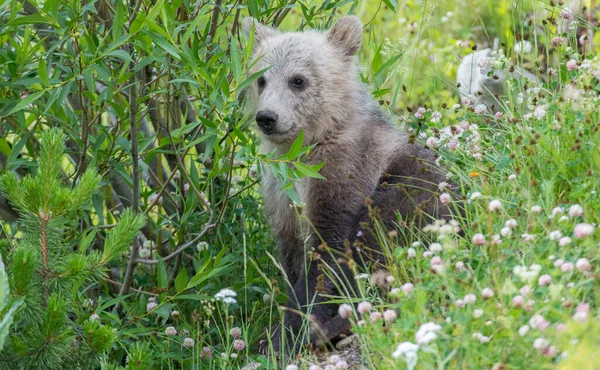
(308, 318)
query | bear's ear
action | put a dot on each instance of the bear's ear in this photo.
(261, 32)
(346, 34)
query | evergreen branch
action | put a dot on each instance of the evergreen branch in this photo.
(120, 236)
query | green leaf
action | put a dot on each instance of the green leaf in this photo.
(181, 280)
(161, 274)
(43, 72)
(30, 19)
(121, 54)
(118, 22)
(296, 146)
(392, 4)
(200, 276)
(165, 45)
(25, 102)
(309, 171)
(194, 297)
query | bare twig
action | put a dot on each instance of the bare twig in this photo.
(132, 263)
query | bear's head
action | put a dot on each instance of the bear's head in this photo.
(311, 81)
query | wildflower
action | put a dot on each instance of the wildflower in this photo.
(431, 142)
(235, 332)
(427, 333)
(478, 239)
(498, 115)
(470, 298)
(436, 261)
(445, 198)
(511, 177)
(566, 13)
(202, 246)
(523, 330)
(436, 117)
(94, 317)
(555, 235)
(539, 113)
(411, 252)
(459, 266)
(186, 189)
(487, 293)
(545, 280)
(506, 231)
(525, 290)
(477, 313)
(518, 301)
(175, 314)
(408, 352)
(474, 196)
(188, 342)
(536, 209)
(523, 47)
(226, 295)
(364, 307)
(575, 210)
(583, 230)
(495, 205)
(541, 344)
(583, 264)
(456, 106)
(459, 303)
(483, 339)
(374, 316)
(480, 108)
(239, 344)
(566, 267)
(291, 367)
(345, 310)
(452, 144)
(572, 65)
(556, 211)
(155, 199)
(557, 41)
(408, 288)
(150, 306)
(420, 113)
(207, 353)
(362, 277)
(170, 330)
(558, 262)
(389, 315)
(512, 223)
(564, 241)
(233, 355)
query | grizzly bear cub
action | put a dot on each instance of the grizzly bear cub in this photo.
(312, 84)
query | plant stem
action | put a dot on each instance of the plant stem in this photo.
(132, 263)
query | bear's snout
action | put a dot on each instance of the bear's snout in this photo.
(267, 120)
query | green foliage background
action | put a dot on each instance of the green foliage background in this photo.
(149, 97)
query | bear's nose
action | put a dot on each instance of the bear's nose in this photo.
(266, 120)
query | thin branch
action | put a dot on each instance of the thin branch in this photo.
(132, 263)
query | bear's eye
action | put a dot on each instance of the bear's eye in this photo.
(261, 82)
(298, 82)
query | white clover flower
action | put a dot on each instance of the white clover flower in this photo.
(435, 247)
(495, 205)
(170, 330)
(188, 342)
